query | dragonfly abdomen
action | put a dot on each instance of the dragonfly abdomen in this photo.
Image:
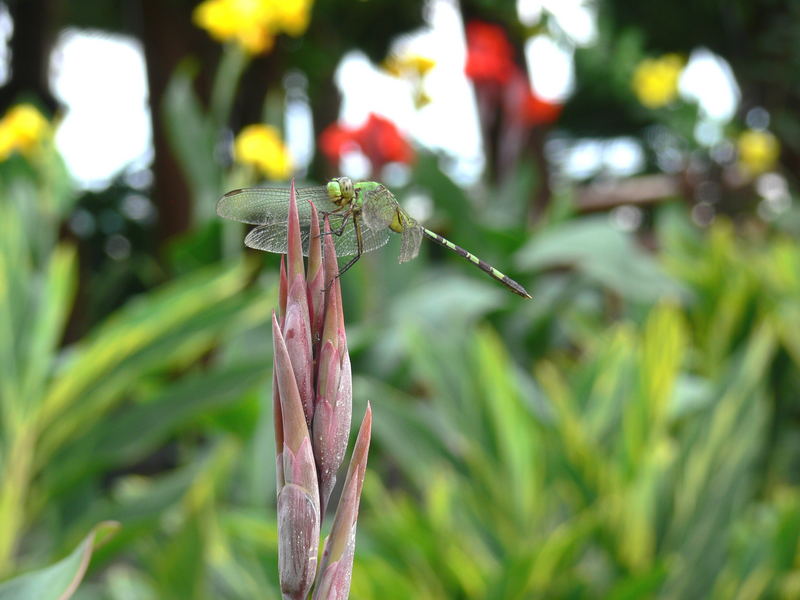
(481, 264)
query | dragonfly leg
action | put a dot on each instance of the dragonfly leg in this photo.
(339, 230)
(359, 252)
(341, 227)
(359, 244)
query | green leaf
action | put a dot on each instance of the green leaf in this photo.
(717, 466)
(660, 359)
(514, 449)
(169, 327)
(640, 585)
(441, 298)
(605, 255)
(400, 420)
(132, 433)
(193, 138)
(60, 580)
(15, 276)
(52, 306)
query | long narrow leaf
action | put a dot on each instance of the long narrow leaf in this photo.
(60, 580)
(53, 304)
(178, 322)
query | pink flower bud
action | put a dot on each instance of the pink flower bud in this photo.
(336, 567)
(298, 539)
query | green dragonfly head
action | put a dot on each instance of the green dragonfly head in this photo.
(340, 190)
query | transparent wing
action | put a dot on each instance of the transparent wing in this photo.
(371, 239)
(379, 208)
(263, 206)
(412, 238)
(273, 238)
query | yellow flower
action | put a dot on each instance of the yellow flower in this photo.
(655, 80)
(22, 128)
(414, 65)
(252, 24)
(242, 21)
(292, 16)
(421, 64)
(421, 99)
(758, 151)
(413, 68)
(261, 146)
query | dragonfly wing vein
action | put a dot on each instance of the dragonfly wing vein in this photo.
(379, 208)
(347, 244)
(260, 206)
(412, 238)
(273, 238)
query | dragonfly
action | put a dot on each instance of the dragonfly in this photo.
(362, 217)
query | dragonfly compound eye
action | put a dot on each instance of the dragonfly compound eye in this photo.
(334, 189)
(347, 187)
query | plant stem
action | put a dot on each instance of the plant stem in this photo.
(234, 60)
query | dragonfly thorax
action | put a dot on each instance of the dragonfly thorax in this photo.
(341, 190)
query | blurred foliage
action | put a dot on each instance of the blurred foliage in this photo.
(632, 432)
(634, 460)
(60, 580)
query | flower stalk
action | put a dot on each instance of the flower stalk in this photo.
(312, 404)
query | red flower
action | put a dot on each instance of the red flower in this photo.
(538, 111)
(379, 140)
(489, 54)
(382, 142)
(522, 104)
(335, 140)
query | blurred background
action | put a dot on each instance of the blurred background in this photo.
(632, 432)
